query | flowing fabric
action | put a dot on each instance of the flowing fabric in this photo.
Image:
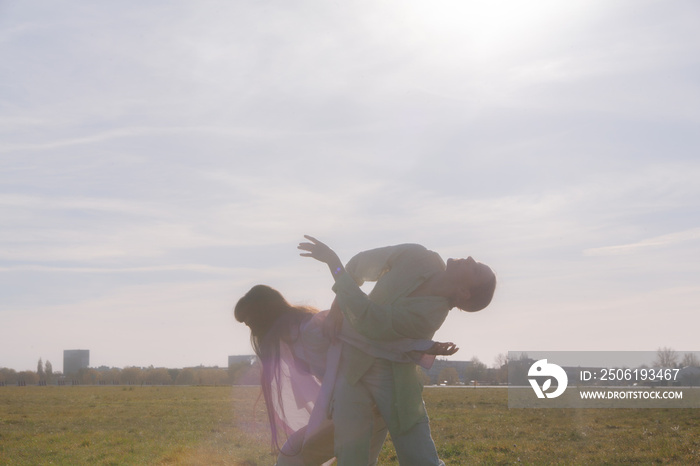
(295, 393)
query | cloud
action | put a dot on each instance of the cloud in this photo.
(132, 132)
(121, 206)
(667, 240)
(198, 268)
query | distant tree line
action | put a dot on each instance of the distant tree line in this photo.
(244, 373)
(237, 374)
(668, 357)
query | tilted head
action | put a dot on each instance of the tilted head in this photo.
(259, 308)
(475, 284)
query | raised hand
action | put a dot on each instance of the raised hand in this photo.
(319, 251)
(442, 349)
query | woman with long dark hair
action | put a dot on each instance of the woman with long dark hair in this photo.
(292, 347)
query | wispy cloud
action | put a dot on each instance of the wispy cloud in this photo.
(667, 240)
(65, 203)
(199, 268)
(127, 132)
(251, 132)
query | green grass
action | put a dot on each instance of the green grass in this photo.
(475, 426)
(132, 425)
(173, 425)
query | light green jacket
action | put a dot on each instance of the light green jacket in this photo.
(389, 314)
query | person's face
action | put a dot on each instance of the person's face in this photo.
(467, 273)
(249, 319)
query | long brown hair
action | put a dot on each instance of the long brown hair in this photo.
(270, 318)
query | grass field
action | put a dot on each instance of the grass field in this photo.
(173, 425)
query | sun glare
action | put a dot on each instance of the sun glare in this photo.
(489, 29)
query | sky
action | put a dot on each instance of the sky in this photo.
(157, 159)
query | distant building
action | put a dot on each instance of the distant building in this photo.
(249, 359)
(244, 370)
(74, 360)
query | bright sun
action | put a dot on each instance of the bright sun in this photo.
(491, 28)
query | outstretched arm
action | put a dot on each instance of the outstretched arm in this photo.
(322, 253)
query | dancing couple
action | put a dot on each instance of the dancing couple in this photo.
(336, 381)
